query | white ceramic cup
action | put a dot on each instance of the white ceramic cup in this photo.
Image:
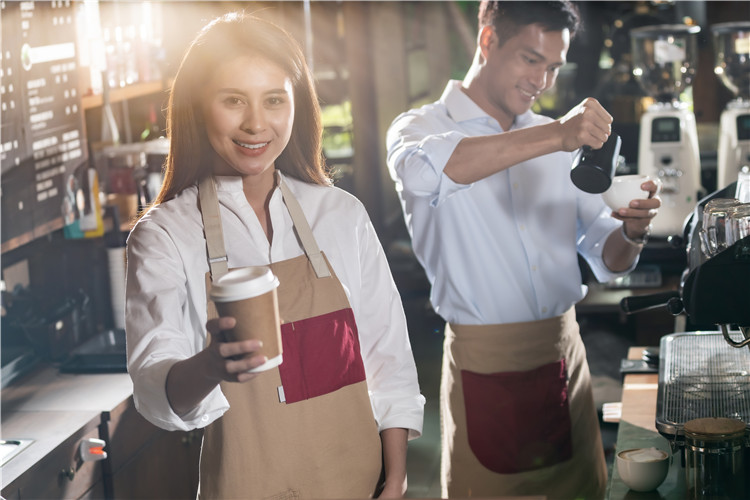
(626, 188)
(642, 469)
(249, 295)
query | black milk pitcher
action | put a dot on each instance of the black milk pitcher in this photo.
(593, 169)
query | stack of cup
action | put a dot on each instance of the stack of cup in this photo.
(248, 294)
(715, 224)
(739, 223)
(725, 222)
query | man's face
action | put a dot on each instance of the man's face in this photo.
(518, 71)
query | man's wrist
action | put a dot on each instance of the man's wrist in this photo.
(639, 241)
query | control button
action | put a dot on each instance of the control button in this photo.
(92, 449)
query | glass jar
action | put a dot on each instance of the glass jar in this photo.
(714, 459)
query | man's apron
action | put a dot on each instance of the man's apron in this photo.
(517, 412)
(304, 429)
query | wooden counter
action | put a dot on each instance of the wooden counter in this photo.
(637, 429)
(57, 411)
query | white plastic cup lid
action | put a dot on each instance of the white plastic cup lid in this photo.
(244, 283)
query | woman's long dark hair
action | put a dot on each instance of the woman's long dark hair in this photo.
(224, 39)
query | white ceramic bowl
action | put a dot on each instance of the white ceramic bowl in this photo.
(626, 188)
(642, 469)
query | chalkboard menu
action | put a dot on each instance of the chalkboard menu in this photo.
(42, 135)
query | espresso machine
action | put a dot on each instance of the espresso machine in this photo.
(664, 63)
(732, 66)
(714, 291)
(704, 375)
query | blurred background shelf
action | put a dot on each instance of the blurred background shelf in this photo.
(124, 93)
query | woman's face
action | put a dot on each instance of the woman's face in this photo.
(248, 112)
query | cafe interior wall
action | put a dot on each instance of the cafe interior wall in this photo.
(373, 60)
(354, 49)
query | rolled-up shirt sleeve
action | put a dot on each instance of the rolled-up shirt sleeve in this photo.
(595, 224)
(159, 332)
(384, 342)
(417, 156)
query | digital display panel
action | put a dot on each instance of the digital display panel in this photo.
(665, 129)
(43, 139)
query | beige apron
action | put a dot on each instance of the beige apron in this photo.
(517, 412)
(304, 429)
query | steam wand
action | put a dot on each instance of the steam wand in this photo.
(745, 333)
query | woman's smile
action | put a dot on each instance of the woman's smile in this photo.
(252, 149)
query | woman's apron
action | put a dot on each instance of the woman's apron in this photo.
(304, 429)
(517, 412)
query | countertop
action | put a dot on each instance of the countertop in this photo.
(48, 407)
(637, 429)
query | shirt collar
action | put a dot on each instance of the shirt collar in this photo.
(462, 108)
(459, 105)
(233, 183)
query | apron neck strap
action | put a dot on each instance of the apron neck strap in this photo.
(217, 254)
(304, 232)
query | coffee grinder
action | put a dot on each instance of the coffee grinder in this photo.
(732, 66)
(664, 63)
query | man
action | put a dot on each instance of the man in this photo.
(497, 225)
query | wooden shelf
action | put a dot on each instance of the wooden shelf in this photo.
(29, 236)
(123, 93)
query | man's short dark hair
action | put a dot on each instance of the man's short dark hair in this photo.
(509, 16)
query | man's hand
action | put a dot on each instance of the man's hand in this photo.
(639, 213)
(587, 124)
(619, 253)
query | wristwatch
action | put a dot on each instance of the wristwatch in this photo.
(636, 241)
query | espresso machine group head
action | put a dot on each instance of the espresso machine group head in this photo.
(664, 63)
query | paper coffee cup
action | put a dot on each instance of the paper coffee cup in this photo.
(249, 295)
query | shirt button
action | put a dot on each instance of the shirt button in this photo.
(544, 309)
(204, 418)
(533, 268)
(522, 227)
(515, 185)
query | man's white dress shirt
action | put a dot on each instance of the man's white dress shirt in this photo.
(503, 249)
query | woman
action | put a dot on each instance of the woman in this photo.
(245, 185)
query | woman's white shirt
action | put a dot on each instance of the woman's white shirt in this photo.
(166, 294)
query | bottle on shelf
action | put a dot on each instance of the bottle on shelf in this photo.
(151, 131)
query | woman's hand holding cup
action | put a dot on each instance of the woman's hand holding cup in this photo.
(247, 297)
(232, 361)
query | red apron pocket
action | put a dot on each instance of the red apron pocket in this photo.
(321, 355)
(518, 421)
